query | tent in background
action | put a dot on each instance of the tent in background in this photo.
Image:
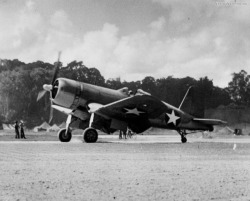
(6, 127)
(43, 127)
(11, 127)
(62, 125)
(53, 128)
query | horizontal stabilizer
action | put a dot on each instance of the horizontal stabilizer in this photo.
(210, 121)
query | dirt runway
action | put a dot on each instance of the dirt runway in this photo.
(124, 171)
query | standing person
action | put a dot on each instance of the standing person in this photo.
(17, 130)
(22, 130)
(120, 135)
(124, 134)
(129, 132)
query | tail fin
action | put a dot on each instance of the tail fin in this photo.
(185, 97)
(193, 102)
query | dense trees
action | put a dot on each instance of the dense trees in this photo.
(19, 88)
(20, 84)
(239, 88)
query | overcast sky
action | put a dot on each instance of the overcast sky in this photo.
(132, 39)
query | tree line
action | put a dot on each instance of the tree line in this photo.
(21, 82)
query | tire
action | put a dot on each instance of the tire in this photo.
(90, 135)
(183, 139)
(63, 137)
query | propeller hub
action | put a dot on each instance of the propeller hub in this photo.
(47, 87)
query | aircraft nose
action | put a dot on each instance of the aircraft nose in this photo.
(64, 92)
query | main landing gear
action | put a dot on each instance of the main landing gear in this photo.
(64, 135)
(183, 135)
(90, 134)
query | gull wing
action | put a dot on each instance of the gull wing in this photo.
(133, 111)
(135, 107)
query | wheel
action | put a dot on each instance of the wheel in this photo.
(63, 137)
(90, 135)
(183, 139)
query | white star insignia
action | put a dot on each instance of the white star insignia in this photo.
(133, 111)
(172, 118)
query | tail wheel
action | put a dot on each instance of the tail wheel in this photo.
(183, 135)
(90, 135)
(63, 136)
(183, 139)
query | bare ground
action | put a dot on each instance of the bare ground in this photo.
(124, 171)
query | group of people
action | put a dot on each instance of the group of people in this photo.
(125, 135)
(21, 127)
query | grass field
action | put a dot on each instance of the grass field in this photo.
(123, 171)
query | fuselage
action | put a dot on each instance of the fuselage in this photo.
(72, 94)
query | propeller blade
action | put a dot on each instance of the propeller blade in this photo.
(51, 112)
(56, 69)
(40, 95)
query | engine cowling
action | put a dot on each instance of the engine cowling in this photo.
(66, 93)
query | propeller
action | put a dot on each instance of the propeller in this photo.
(56, 68)
(49, 87)
(40, 95)
(51, 112)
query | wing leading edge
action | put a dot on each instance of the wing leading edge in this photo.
(210, 121)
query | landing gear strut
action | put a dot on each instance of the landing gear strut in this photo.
(183, 135)
(65, 134)
(90, 134)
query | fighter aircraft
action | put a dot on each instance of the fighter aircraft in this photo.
(98, 108)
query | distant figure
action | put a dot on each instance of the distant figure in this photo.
(22, 130)
(129, 132)
(124, 134)
(17, 130)
(120, 134)
(237, 131)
